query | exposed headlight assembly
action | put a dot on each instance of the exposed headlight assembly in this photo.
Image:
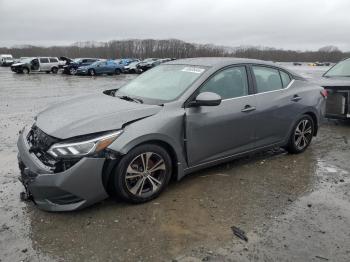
(83, 148)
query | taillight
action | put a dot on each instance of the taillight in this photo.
(324, 93)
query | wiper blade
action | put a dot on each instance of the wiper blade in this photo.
(133, 99)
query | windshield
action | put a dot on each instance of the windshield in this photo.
(26, 60)
(163, 83)
(134, 63)
(97, 63)
(340, 69)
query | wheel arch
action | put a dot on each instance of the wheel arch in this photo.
(177, 172)
(172, 147)
(315, 121)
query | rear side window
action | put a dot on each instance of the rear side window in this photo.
(44, 60)
(267, 79)
(228, 83)
(53, 60)
(285, 79)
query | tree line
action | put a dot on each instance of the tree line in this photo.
(173, 48)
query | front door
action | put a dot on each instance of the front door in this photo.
(220, 131)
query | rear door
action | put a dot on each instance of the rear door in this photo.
(220, 131)
(44, 64)
(277, 104)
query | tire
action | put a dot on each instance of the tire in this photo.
(132, 183)
(72, 71)
(301, 135)
(91, 72)
(25, 70)
(118, 71)
(54, 70)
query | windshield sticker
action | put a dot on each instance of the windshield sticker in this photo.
(192, 69)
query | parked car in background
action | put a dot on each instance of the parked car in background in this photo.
(101, 67)
(64, 61)
(131, 68)
(127, 61)
(148, 64)
(72, 67)
(297, 64)
(6, 60)
(36, 64)
(337, 82)
(175, 119)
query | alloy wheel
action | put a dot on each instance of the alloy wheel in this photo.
(145, 174)
(303, 134)
(72, 71)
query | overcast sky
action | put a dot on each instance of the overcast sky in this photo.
(288, 24)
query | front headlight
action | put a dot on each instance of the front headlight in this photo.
(83, 148)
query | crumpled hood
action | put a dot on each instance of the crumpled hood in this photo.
(331, 81)
(91, 114)
(18, 64)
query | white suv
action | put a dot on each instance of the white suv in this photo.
(37, 64)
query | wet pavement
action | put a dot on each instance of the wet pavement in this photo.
(292, 207)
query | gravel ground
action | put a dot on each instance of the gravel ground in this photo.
(292, 207)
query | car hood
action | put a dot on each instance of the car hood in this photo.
(332, 81)
(18, 64)
(91, 114)
(82, 67)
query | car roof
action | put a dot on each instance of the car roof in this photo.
(218, 61)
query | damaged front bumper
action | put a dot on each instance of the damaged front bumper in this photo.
(75, 188)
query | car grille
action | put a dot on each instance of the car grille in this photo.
(39, 143)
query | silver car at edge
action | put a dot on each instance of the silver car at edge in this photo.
(177, 118)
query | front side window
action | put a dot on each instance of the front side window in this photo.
(229, 83)
(267, 79)
(163, 83)
(44, 60)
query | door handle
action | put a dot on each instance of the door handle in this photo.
(296, 98)
(248, 108)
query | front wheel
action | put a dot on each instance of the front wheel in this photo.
(142, 174)
(301, 135)
(54, 70)
(72, 71)
(25, 70)
(91, 72)
(117, 71)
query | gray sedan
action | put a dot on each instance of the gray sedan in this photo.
(177, 118)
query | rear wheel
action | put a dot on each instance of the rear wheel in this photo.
(25, 70)
(91, 72)
(142, 174)
(54, 70)
(301, 135)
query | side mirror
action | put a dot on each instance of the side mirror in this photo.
(207, 99)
